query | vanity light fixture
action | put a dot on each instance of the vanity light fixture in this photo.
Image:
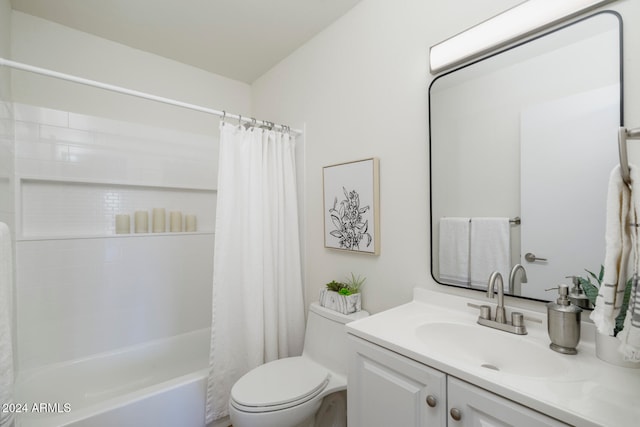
(507, 27)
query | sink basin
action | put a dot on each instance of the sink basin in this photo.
(491, 349)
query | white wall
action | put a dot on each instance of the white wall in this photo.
(361, 87)
(46, 44)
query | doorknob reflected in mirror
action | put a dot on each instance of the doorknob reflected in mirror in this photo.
(532, 257)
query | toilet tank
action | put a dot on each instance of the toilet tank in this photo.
(325, 339)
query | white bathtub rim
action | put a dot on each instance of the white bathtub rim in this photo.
(27, 374)
(127, 397)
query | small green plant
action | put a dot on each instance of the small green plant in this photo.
(354, 283)
(591, 291)
(335, 286)
(351, 285)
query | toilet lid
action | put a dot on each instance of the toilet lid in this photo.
(283, 382)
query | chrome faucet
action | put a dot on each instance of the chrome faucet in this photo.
(496, 277)
(512, 277)
(516, 326)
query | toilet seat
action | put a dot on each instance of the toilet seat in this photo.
(280, 384)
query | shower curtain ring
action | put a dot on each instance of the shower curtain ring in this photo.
(224, 115)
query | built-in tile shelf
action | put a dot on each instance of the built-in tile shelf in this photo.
(109, 236)
(49, 209)
(26, 179)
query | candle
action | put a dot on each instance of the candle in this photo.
(175, 222)
(123, 224)
(142, 222)
(190, 223)
(159, 220)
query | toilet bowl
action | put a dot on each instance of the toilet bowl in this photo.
(303, 391)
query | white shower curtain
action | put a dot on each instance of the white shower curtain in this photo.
(6, 314)
(258, 308)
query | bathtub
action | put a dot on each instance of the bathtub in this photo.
(161, 383)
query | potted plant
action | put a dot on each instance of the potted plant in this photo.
(591, 291)
(607, 345)
(343, 297)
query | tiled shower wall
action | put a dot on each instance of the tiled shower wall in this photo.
(81, 289)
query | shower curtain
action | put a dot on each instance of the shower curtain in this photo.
(258, 308)
(6, 314)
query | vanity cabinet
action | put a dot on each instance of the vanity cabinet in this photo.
(388, 389)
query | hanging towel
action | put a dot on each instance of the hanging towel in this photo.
(630, 334)
(489, 250)
(454, 250)
(617, 250)
(6, 348)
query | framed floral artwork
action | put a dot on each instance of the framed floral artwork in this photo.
(351, 206)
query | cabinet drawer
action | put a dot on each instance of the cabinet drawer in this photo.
(479, 407)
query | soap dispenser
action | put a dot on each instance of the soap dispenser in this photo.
(577, 295)
(563, 323)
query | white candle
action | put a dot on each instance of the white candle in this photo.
(159, 220)
(175, 222)
(142, 222)
(123, 224)
(190, 223)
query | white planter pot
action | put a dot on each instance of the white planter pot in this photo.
(345, 304)
(607, 350)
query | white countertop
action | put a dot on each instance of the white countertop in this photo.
(589, 392)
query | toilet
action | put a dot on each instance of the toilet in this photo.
(303, 391)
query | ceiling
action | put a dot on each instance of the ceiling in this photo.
(239, 39)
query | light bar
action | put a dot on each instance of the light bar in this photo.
(503, 29)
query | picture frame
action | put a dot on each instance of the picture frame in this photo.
(351, 206)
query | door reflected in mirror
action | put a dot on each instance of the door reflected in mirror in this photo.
(529, 133)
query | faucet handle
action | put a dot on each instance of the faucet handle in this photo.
(517, 318)
(485, 312)
(517, 323)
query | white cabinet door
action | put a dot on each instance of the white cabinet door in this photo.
(470, 406)
(386, 389)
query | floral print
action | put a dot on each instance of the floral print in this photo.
(350, 229)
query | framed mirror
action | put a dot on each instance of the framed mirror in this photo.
(521, 146)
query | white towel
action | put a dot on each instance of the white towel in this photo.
(617, 250)
(6, 348)
(630, 334)
(489, 251)
(454, 250)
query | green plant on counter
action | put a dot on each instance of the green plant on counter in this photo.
(591, 291)
(350, 286)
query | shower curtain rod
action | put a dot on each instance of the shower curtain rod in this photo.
(123, 90)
